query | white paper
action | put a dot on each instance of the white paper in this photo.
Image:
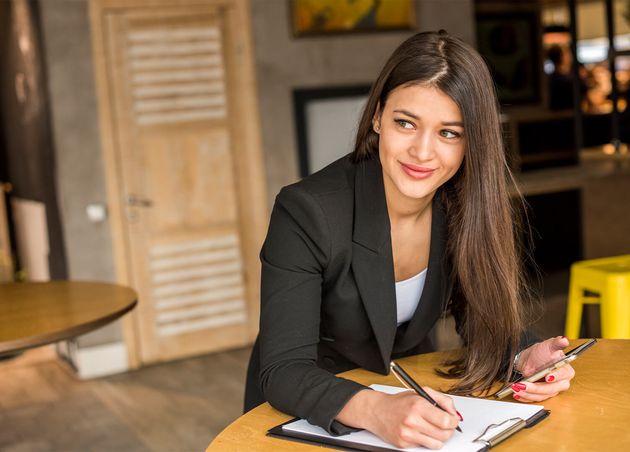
(478, 414)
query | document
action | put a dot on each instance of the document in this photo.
(485, 424)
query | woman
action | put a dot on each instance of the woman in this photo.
(363, 257)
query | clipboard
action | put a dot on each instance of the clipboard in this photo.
(478, 433)
(491, 438)
(332, 442)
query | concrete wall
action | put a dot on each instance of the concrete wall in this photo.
(81, 180)
(284, 63)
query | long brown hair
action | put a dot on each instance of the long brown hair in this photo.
(489, 286)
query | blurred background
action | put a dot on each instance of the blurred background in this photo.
(142, 142)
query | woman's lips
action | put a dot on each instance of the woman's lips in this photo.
(417, 172)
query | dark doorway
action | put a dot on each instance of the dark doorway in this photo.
(27, 152)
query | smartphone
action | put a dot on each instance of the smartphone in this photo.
(540, 373)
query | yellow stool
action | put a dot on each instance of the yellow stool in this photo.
(610, 278)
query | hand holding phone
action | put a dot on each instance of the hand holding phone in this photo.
(540, 373)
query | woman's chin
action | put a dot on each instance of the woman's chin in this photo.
(417, 192)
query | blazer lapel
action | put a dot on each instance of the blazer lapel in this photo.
(437, 284)
(372, 261)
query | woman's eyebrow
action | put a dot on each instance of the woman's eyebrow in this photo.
(453, 123)
(405, 112)
(445, 123)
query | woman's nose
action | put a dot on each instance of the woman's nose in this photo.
(423, 147)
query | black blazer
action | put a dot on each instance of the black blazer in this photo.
(328, 300)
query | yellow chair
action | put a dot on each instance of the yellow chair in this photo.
(609, 278)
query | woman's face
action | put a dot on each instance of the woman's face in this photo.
(421, 140)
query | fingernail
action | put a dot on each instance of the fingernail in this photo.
(516, 396)
(550, 378)
(460, 416)
(564, 337)
(518, 387)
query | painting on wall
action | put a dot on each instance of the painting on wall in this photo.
(326, 121)
(321, 17)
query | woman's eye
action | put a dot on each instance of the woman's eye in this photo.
(450, 134)
(404, 124)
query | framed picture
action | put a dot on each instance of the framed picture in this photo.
(511, 44)
(326, 123)
(322, 17)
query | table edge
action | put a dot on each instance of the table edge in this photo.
(56, 336)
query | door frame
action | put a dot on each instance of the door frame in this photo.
(251, 186)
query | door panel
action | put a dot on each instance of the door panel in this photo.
(171, 94)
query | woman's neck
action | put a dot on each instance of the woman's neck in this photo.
(404, 209)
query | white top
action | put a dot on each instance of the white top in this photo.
(408, 294)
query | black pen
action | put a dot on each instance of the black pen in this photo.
(410, 383)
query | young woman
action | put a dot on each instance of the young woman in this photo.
(363, 257)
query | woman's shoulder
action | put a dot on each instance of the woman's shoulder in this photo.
(337, 177)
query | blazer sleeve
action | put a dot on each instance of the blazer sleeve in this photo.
(294, 257)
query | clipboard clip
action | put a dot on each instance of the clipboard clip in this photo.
(496, 433)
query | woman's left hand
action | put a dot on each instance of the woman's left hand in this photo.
(535, 357)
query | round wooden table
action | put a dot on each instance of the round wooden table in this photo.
(594, 415)
(39, 313)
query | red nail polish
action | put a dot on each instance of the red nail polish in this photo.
(460, 416)
(516, 396)
(518, 387)
(564, 337)
(550, 378)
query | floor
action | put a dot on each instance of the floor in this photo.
(179, 406)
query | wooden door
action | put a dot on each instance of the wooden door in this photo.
(185, 156)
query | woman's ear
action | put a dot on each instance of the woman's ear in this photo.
(376, 119)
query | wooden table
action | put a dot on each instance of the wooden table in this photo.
(34, 314)
(594, 415)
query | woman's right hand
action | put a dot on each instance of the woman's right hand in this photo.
(404, 419)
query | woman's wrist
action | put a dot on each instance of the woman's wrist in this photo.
(520, 360)
(517, 361)
(358, 411)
